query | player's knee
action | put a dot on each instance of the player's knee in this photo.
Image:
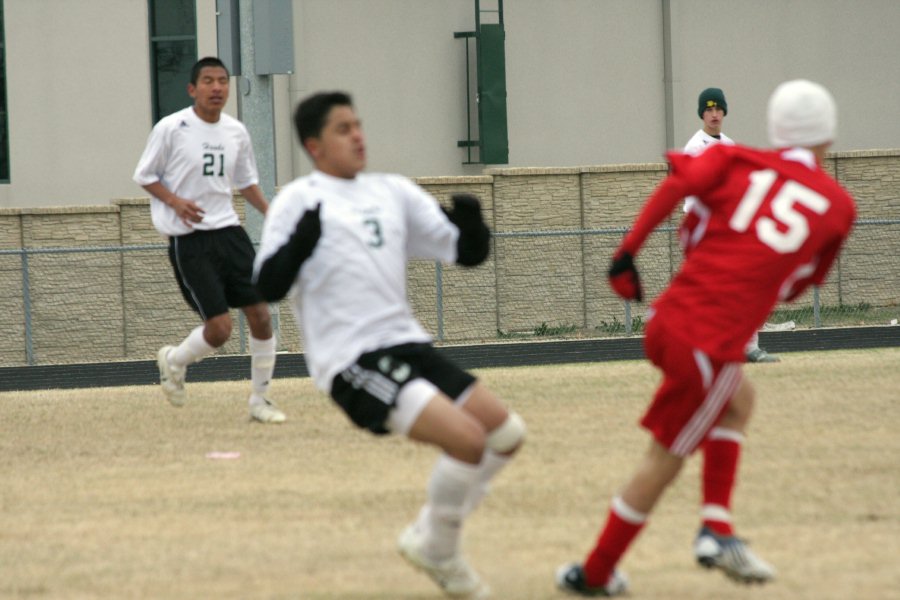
(745, 397)
(217, 330)
(470, 445)
(507, 438)
(740, 408)
(259, 320)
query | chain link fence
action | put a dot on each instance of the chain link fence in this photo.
(113, 303)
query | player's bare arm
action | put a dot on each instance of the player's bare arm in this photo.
(255, 197)
(187, 210)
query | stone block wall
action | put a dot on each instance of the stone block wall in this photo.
(12, 301)
(868, 269)
(539, 279)
(467, 294)
(89, 306)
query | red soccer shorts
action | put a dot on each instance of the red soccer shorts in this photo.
(693, 395)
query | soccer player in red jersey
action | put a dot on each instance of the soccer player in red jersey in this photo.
(777, 222)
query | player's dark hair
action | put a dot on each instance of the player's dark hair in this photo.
(208, 61)
(311, 113)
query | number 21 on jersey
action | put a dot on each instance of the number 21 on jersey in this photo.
(795, 225)
(210, 162)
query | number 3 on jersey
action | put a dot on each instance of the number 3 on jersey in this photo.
(794, 223)
(376, 239)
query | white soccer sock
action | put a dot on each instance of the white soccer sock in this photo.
(753, 344)
(262, 366)
(441, 519)
(191, 349)
(491, 464)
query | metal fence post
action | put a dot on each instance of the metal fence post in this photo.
(26, 300)
(817, 313)
(439, 284)
(243, 333)
(628, 324)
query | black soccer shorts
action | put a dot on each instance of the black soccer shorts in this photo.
(214, 270)
(368, 389)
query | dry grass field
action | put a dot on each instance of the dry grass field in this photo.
(108, 493)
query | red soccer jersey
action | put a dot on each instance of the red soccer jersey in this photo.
(776, 221)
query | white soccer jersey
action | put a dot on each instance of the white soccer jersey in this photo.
(197, 161)
(699, 142)
(350, 295)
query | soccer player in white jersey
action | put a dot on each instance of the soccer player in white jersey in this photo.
(193, 160)
(339, 240)
(712, 108)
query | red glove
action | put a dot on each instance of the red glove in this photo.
(624, 278)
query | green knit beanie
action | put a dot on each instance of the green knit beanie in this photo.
(711, 97)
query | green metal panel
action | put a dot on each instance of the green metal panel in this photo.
(493, 131)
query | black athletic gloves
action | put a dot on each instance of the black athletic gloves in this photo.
(278, 272)
(474, 242)
(624, 278)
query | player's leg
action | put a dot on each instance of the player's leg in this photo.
(263, 346)
(504, 428)
(428, 409)
(236, 255)
(721, 457)
(462, 439)
(201, 342)
(505, 435)
(407, 390)
(432, 542)
(203, 290)
(716, 544)
(677, 418)
(627, 515)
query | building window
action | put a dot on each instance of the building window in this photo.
(4, 115)
(173, 51)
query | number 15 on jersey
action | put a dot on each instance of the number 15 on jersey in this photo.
(794, 228)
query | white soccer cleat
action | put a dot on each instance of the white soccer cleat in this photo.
(453, 575)
(758, 355)
(266, 412)
(732, 556)
(171, 379)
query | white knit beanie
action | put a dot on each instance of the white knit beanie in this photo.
(801, 113)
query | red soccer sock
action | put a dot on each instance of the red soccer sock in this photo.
(622, 526)
(721, 455)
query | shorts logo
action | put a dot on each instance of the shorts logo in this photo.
(396, 370)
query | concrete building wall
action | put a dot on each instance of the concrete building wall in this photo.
(79, 96)
(584, 79)
(78, 91)
(748, 48)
